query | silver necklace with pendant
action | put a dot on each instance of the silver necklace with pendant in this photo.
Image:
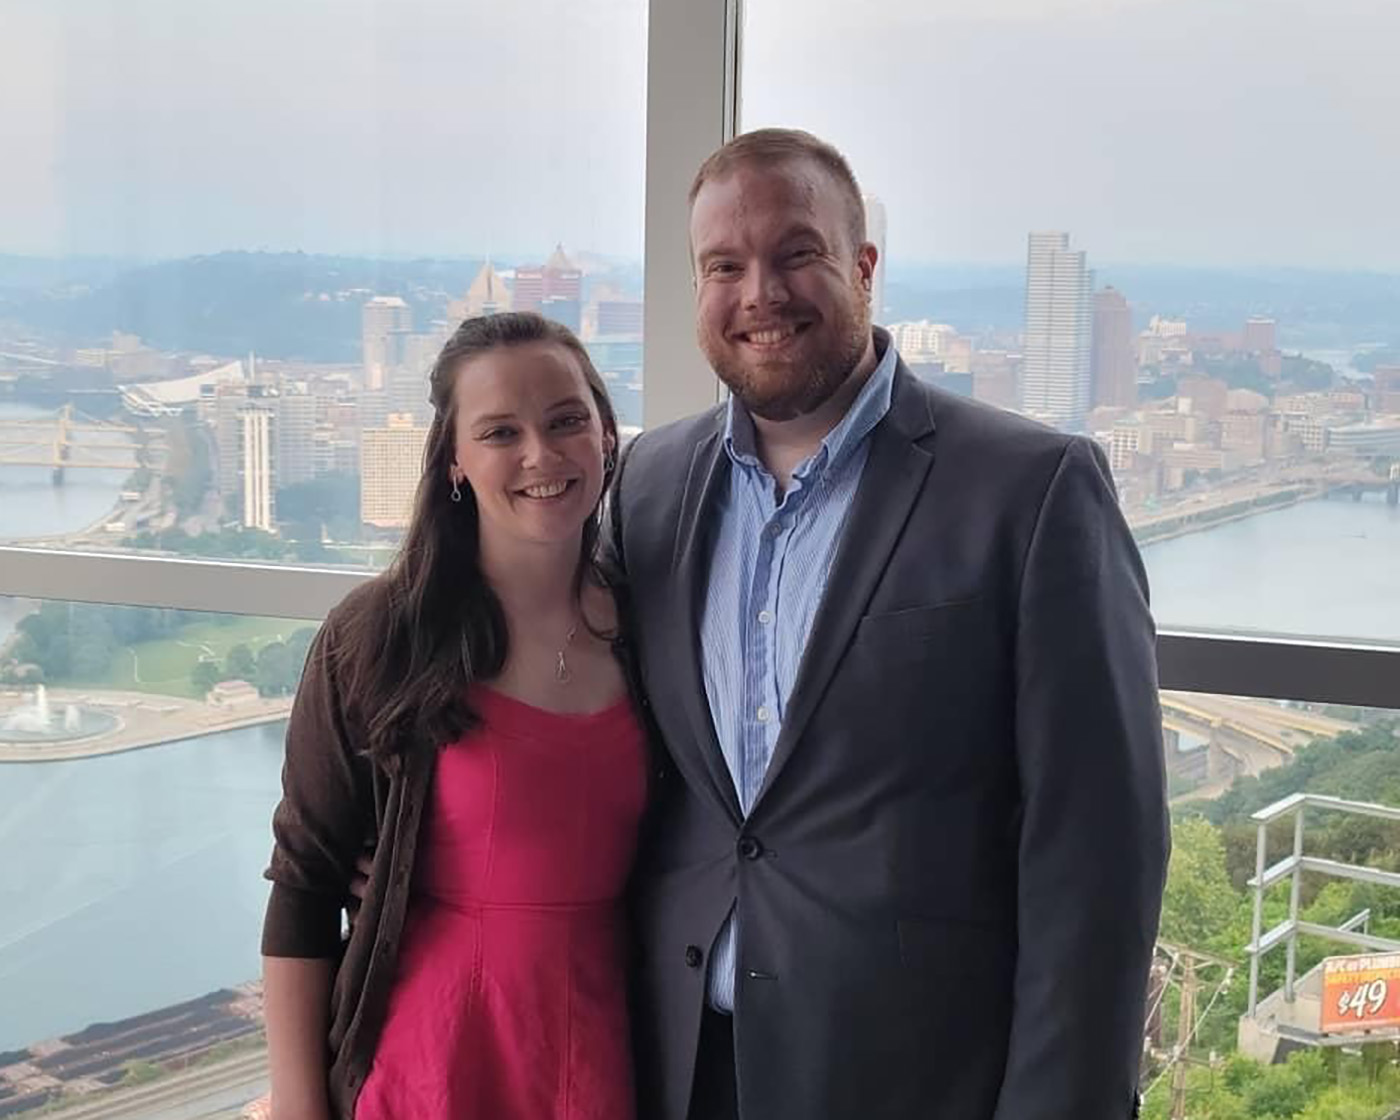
(561, 668)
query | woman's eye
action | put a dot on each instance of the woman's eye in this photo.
(572, 421)
(496, 435)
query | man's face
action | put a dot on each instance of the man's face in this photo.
(782, 296)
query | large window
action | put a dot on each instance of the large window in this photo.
(234, 235)
(1163, 225)
(140, 760)
(235, 238)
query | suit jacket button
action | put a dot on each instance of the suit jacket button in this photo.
(693, 956)
(750, 848)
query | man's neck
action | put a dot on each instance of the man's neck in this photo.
(783, 445)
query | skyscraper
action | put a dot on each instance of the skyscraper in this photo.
(875, 231)
(1055, 382)
(257, 427)
(487, 295)
(391, 462)
(296, 431)
(1114, 363)
(385, 323)
(558, 278)
(1260, 336)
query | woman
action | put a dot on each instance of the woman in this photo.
(466, 715)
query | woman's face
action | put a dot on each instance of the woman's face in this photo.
(529, 442)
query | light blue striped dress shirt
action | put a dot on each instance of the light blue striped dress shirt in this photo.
(772, 555)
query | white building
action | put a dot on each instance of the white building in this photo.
(257, 429)
(1056, 382)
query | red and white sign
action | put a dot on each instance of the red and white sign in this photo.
(1360, 993)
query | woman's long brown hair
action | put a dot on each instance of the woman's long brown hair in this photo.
(438, 625)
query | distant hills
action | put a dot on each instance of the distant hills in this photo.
(307, 306)
(1313, 308)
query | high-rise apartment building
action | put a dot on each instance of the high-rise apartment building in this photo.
(1055, 381)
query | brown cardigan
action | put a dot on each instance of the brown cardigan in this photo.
(335, 801)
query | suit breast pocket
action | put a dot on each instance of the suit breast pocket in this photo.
(923, 633)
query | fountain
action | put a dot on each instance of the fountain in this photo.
(32, 719)
(35, 721)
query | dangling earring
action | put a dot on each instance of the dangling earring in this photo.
(608, 463)
(456, 493)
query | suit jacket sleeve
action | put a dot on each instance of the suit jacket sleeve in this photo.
(610, 554)
(1094, 838)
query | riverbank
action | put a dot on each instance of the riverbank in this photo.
(143, 720)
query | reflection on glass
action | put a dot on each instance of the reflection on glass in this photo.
(1229, 758)
(1229, 333)
(140, 759)
(234, 362)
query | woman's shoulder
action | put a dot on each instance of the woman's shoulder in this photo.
(365, 604)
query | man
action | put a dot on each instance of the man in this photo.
(909, 846)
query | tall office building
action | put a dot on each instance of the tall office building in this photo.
(558, 278)
(620, 316)
(1055, 380)
(875, 231)
(1260, 336)
(391, 462)
(256, 422)
(229, 399)
(385, 324)
(1114, 362)
(487, 295)
(295, 460)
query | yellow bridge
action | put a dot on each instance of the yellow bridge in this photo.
(70, 440)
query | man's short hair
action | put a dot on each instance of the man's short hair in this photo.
(772, 147)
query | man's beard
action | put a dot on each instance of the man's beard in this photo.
(784, 390)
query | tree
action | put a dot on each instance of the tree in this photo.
(1199, 901)
(205, 675)
(240, 665)
(1278, 1091)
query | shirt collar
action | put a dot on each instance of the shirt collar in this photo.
(867, 410)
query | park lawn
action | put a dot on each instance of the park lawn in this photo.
(165, 665)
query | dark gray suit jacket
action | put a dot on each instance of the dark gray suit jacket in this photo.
(949, 885)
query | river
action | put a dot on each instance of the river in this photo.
(132, 881)
(32, 506)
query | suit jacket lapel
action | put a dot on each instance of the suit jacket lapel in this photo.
(691, 563)
(894, 475)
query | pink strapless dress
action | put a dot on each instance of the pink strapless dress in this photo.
(510, 1001)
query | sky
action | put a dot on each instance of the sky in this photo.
(1199, 132)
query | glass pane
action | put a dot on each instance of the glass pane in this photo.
(218, 310)
(140, 761)
(1227, 759)
(1105, 215)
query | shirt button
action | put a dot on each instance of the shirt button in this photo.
(775, 530)
(764, 714)
(765, 617)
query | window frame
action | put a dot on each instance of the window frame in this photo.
(693, 97)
